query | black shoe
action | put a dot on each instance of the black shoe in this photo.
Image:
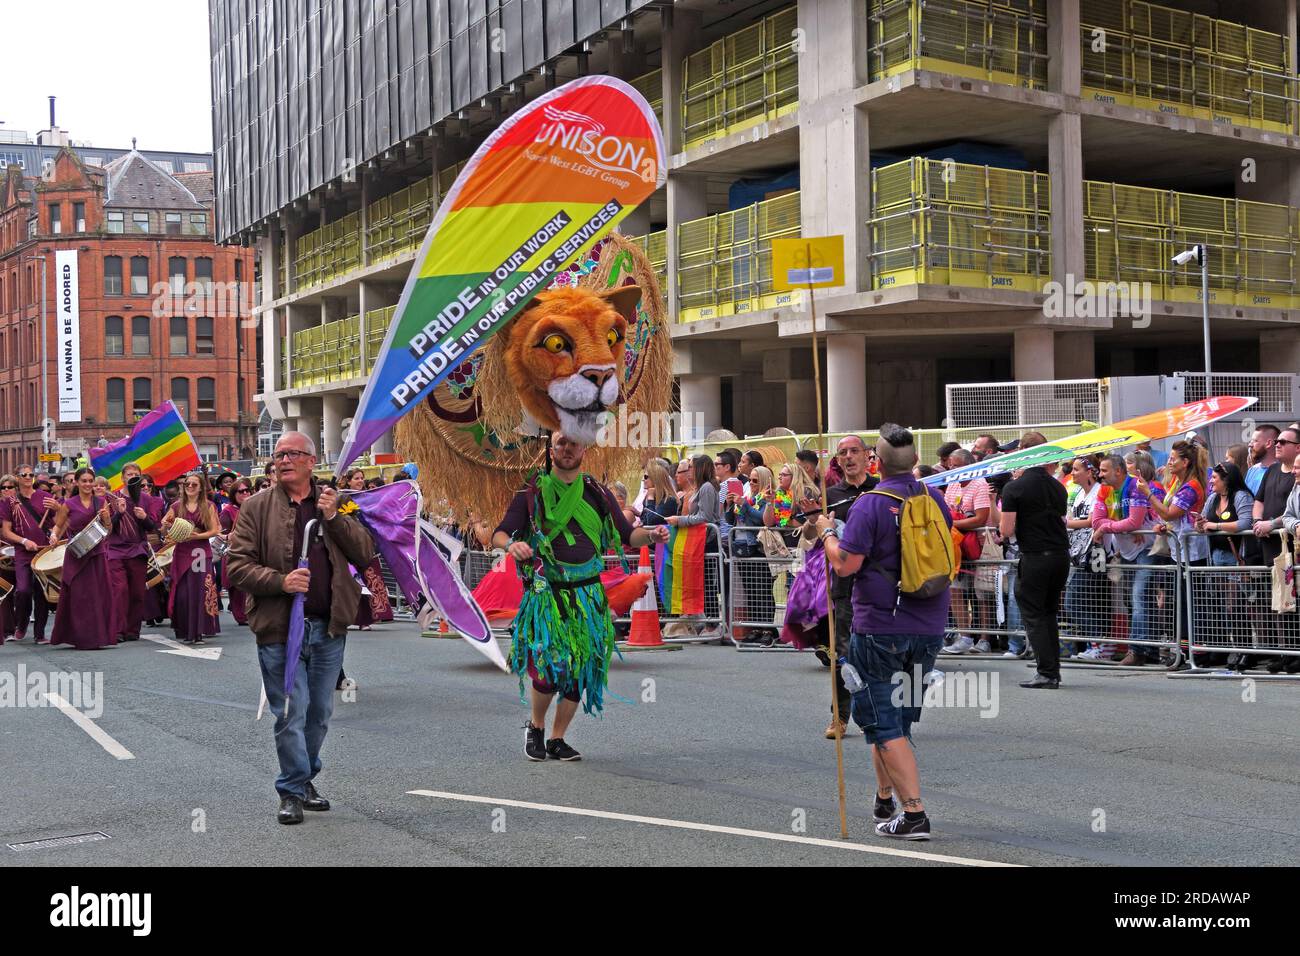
(534, 746)
(557, 749)
(884, 810)
(822, 654)
(1292, 666)
(290, 810)
(313, 800)
(1275, 665)
(901, 828)
(1041, 682)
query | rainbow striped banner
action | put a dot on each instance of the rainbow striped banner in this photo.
(679, 570)
(542, 189)
(160, 444)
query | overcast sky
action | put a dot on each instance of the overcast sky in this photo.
(120, 68)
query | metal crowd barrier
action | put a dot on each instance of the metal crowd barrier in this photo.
(757, 588)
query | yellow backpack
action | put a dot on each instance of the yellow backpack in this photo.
(929, 556)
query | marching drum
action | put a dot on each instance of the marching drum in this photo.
(7, 558)
(180, 530)
(47, 565)
(87, 539)
(159, 562)
(5, 590)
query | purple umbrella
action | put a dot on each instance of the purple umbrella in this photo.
(297, 624)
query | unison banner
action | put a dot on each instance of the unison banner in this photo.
(68, 309)
(539, 192)
(1104, 440)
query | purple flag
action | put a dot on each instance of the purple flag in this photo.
(428, 581)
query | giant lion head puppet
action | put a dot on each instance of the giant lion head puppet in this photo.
(591, 347)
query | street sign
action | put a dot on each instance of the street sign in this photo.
(55, 458)
(807, 262)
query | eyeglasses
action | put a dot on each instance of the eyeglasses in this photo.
(243, 491)
(290, 453)
(8, 487)
(192, 484)
(1280, 441)
(25, 474)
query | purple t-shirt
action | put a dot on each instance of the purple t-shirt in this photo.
(872, 531)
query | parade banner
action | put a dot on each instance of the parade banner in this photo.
(541, 190)
(68, 304)
(160, 444)
(1103, 440)
(679, 570)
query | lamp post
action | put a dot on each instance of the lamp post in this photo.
(1197, 254)
(45, 365)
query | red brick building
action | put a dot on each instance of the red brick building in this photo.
(162, 309)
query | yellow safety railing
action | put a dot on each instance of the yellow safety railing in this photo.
(1186, 64)
(743, 79)
(327, 353)
(655, 246)
(396, 223)
(324, 254)
(651, 86)
(724, 261)
(376, 327)
(1001, 41)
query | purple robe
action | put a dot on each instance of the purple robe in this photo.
(805, 602)
(80, 618)
(229, 515)
(193, 607)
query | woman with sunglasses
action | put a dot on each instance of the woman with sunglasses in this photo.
(83, 615)
(240, 492)
(25, 522)
(8, 573)
(193, 608)
(660, 500)
(755, 575)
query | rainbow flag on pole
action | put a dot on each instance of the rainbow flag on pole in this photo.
(679, 570)
(160, 444)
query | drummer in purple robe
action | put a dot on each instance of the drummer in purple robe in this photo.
(78, 618)
(240, 492)
(135, 515)
(193, 607)
(25, 522)
(374, 604)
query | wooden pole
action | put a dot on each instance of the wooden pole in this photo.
(830, 571)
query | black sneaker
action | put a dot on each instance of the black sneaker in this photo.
(557, 749)
(534, 746)
(902, 828)
(884, 810)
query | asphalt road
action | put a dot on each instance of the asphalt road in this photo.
(1114, 769)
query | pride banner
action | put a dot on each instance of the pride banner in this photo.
(1108, 438)
(160, 444)
(679, 570)
(541, 190)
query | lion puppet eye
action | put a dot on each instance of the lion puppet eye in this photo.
(613, 337)
(555, 343)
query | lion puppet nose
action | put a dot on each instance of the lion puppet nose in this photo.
(598, 376)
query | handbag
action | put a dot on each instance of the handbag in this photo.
(971, 548)
(1160, 547)
(988, 576)
(1283, 575)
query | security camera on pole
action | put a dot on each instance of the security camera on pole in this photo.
(1197, 254)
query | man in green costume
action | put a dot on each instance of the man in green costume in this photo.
(558, 529)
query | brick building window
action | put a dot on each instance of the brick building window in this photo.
(139, 275)
(141, 397)
(115, 222)
(4, 359)
(207, 400)
(113, 335)
(199, 223)
(79, 215)
(173, 224)
(140, 336)
(176, 274)
(112, 275)
(203, 274)
(204, 343)
(181, 396)
(115, 407)
(56, 218)
(139, 222)
(179, 336)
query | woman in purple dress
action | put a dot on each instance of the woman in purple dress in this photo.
(80, 618)
(239, 493)
(374, 604)
(193, 607)
(8, 591)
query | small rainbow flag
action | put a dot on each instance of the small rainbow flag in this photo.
(160, 444)
(679, 570)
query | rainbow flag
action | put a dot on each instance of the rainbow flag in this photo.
(548, 183)
(160, 444)
(679, 570)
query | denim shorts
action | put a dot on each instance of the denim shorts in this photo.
(890, 664)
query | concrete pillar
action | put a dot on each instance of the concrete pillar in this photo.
(298, 317)
(383, 445)
(846, 382)
(335, 408)
(800, 406)
(834, 145)
(1063, 47)
(687, 200)
(271, 250)
(292, 230)
(309, 425)
(1279, 350)
(1035, 356)
(701, 399)
(628, 63)
(637, 222)
(682, 33)
(1075, 355)
(1065, 165)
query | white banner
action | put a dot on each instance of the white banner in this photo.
(68, 308)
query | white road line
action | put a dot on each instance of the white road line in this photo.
(90, 727)
(711, 828)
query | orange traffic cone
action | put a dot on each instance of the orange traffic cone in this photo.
(645, 612)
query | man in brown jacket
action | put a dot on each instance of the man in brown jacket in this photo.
(265, 545)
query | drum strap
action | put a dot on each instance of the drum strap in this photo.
(31, 509)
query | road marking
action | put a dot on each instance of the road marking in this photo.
(711, 828)
(180, 650)
(90, 727)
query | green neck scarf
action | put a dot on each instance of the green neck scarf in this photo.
(565, 503)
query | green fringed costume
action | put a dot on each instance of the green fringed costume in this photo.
(564, 624)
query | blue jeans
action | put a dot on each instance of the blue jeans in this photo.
(1087, 602)
(1143, 601)
(298, 737)
(891, 665)
(1015, 642)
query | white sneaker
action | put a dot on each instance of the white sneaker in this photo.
(982, 646)
(1010, 654)
(932, 677)
(959, 646)
(1093, 653)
